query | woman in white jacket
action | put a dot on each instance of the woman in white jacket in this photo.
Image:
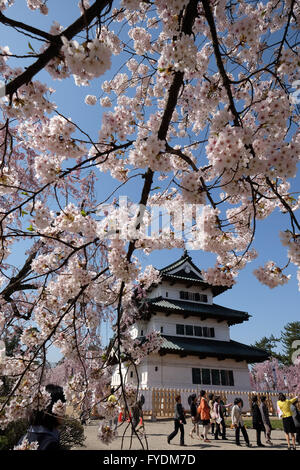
(218, 414)
(238, 423)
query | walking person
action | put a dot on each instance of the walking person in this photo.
(137, 414)
(192, 401)
(113, 401)
(289, 428)
(296, 418)
(179, 421)
(211, 402)
(257, 421)
(238, 423)
(218, 413)
(266, 419)
(204, 413)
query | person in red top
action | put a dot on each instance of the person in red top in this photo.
(204, 413)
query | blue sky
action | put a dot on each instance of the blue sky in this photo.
(271, 309)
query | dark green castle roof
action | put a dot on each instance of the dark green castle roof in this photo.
(198, 309)
(211, 348)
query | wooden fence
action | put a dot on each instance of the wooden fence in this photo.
(162, 401)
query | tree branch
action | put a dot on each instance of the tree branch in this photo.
(53, 50)
(26, 27)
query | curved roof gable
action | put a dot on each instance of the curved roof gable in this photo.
(184, 270)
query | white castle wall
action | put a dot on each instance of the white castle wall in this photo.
(169, 326)
(172, 292)
(175, 372)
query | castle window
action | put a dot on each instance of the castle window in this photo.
(156, 368)
(227, 377)
(196, 376)
(212, 377)
(167, 294)
(215, 377)
(183, 295)
(189, 330)
(161, 329)
(206, 376)
(131, 374)
(195, 296)
(142, 332)
(197, 330)
(180, 329)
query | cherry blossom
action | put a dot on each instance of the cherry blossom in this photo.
(197, 116)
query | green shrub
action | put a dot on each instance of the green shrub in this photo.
(3, 443)
(71, 434)
(13, 433)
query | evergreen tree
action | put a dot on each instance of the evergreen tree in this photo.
(269, 345)
(289, 334)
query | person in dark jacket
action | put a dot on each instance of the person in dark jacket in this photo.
(257, 421)
(266, 420)
(137, 412)
(296, 419)
(179, 421)
(192, 401)
(44, 424)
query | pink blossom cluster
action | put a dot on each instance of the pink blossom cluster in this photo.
(271, 275)
(227, 150)
(138, 349)
(179, 55)
(109, 409)
(118, 264)
(74, 390)
(219, 276)
(38, 5)
(30, 102)
(149, 152)
(105, 433)
(54, 137)
(141, 40)
(131, 4)
(74, 220)
(86, 61)
(192, 189)
(26, 445)
(287, 377)
(292, 241)
(90, 100)
(59, 408)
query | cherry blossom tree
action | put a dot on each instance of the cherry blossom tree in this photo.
(271, 375)
(202, 101)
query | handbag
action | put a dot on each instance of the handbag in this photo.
(219, 420)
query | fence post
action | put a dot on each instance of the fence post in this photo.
(153, 413)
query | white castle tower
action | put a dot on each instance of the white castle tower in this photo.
(196, 351)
